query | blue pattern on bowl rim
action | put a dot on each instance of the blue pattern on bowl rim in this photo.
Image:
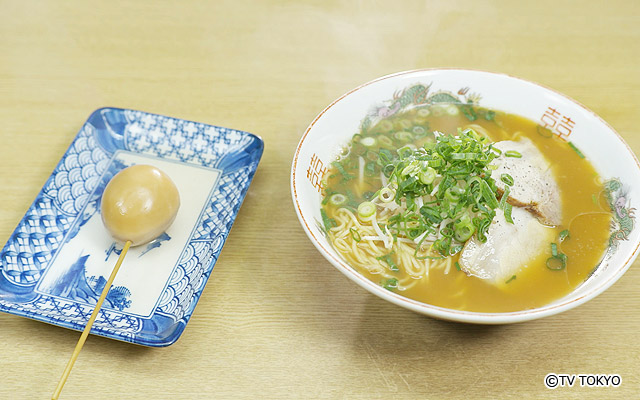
(70, 198)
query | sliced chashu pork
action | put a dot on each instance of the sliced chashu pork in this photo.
(509, 247)
(534, 186)
(535, 198)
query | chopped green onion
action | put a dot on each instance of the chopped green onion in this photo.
(432, 214)
(404, 151)
(403, 136)
(368, 141)
(327, 197)
(327, 222)
(482, 226)
(409, 170)
(507, 213)
(386, 195)
(505, 197)
(442, 245)
(564, 235)
(469, 112)
(453, 193)
(345, 175)
(338, 199)
(457, 264)
(510, 279)
(512, 153)
(452, 110)
(384, 157)
(436, 163)
(573, 146)
(488, 195)
(453, 250)
(389, 260)
(507, 179)
(464, 231)
(411, 204)
(418, 130)
(463, 156)
(385, 141)
(371, 169)
(544, 132)
(557, 263)
(390, 284)
(447, 232)
(427, 176)
(371, 155)
(452, 177)
(490, 115)
(366, 210)
(355, 234)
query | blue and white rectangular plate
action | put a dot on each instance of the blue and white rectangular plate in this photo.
(55, 264)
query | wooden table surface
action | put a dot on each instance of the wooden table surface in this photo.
(276, 320)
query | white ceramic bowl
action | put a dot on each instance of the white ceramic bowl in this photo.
(606, 150)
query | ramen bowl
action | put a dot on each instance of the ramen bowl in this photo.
(555, 113)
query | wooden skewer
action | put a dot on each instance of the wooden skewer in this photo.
(87, 328)
(153, 206)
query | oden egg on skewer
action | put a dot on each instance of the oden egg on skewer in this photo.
(138, 205)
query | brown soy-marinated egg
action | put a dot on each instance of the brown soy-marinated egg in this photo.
(139, 204)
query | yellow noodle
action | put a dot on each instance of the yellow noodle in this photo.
(516, 135)
(368, 254)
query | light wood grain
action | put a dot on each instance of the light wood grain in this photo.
(276, 320)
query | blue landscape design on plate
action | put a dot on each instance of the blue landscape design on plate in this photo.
(71, 196)
(74, 285)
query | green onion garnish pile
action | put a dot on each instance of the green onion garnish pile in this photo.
(447, 190)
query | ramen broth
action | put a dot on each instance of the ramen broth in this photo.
(585, 213)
